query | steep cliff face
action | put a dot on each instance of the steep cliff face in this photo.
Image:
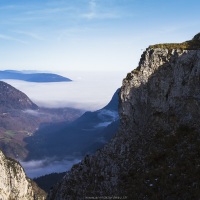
(163, 92)
(155, 154)
(14, 185)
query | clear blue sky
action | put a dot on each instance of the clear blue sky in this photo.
(90, 34)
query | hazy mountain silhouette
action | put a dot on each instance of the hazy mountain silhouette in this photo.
(20, 118)
(83, 136)
(32, 77)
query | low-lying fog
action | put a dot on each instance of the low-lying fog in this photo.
(87, 91)
(37, 168)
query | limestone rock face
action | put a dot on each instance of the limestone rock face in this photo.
(159, 134)
(163, 89)
(13, 182)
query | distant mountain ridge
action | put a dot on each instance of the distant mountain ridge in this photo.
(83, 136)
(32, 77)
(20, 118)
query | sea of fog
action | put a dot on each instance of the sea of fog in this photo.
(37, 168)
(87, 91)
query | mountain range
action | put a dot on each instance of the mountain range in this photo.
(20, 118)
(30, 132)
(83, 136)
(32, 77)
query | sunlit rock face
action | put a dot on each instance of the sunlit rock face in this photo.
(13, 182)
(159, 112)
(163, 91)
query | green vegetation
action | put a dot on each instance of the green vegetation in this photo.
(131, 74)
(136, 71)
(14, 165)
(10, 133)
(188, 45)
(5, 139)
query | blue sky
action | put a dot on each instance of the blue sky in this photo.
(90, 34)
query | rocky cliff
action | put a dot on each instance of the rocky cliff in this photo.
(14, 185)
(155, 154)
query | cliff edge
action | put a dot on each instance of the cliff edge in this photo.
(155, 154)
(14, 184)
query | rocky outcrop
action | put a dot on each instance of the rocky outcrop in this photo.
(155, 154)
(14, 184)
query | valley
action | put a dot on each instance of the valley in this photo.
(78, 138)
(20, 118)
(16, 125)
(99, 99)
(47, 140)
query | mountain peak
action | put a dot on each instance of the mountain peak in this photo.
(10, 97)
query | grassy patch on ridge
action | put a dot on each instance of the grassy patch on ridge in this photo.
(188, 45)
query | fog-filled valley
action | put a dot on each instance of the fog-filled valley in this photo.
(37, 168)
(88, 90)
(60, 136)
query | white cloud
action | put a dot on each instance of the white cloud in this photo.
(9, 38)
(91, 16)
(32, 112)
(97, 12)
(49, 10)
(92, 4)
(36, 168)
(92, 7)
(11, 7)
(71, 32)
(90, 92)
(30, 34)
